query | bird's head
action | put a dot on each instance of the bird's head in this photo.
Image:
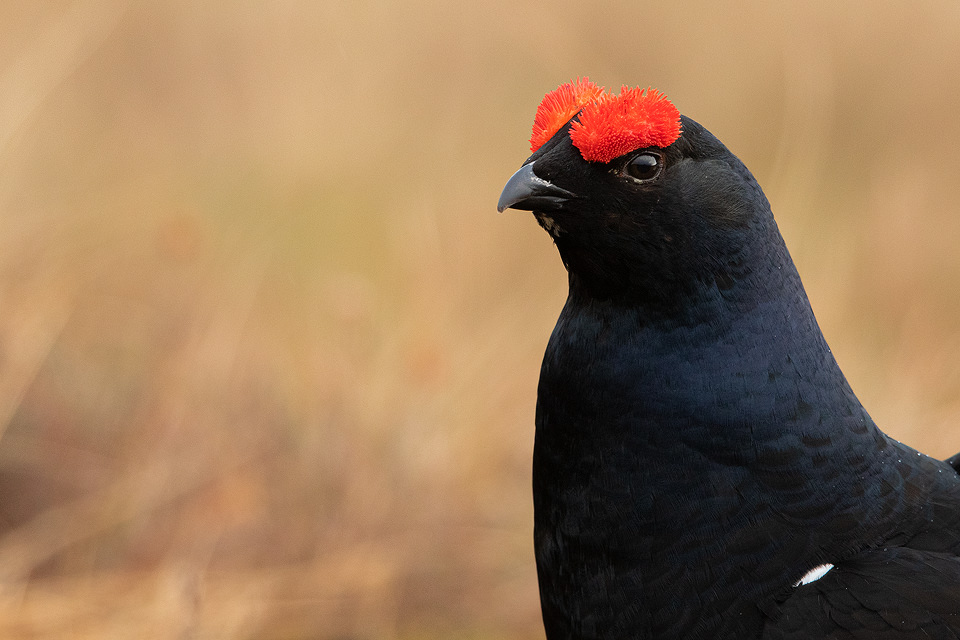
(644, 204)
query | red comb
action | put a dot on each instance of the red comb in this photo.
(560, 105)
(611, 126)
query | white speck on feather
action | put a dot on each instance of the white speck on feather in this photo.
(813, 575)
(552, 227)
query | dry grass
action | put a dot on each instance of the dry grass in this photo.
(267, 354)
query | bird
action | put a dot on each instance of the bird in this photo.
(702, 468)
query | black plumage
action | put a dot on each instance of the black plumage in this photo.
(698, 449)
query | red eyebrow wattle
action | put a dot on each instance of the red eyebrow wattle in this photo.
(609, 125)
(614, 125)
(558, 106)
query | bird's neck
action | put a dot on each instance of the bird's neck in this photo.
(708, 361)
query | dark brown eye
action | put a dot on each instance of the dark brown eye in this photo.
(645, 166)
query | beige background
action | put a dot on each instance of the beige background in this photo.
(268, 355)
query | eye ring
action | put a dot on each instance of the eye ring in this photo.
(644, 167)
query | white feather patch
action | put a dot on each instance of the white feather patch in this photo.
(552, 227)
(813, 575)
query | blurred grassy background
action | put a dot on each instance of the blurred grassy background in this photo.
(268, 355)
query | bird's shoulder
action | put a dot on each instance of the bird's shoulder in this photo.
(885, 593)
(909, 588)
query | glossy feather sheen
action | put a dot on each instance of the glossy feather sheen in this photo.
(698, 449)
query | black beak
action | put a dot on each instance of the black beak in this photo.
(527, 191)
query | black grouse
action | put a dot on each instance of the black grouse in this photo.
(702, 469)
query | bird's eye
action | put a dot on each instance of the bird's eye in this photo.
(645, 166)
